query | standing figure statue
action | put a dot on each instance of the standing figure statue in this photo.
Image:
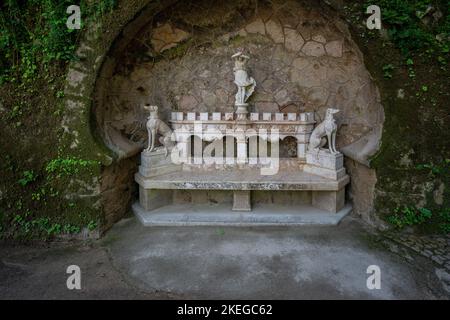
(325, 132)
(154, 126)
(246, 85)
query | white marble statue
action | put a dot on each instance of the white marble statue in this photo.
(246, 85)
(325, 131)
(154, 126)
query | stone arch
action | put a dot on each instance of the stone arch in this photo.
(325, 68)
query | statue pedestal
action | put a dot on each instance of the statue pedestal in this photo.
(241, 111)
(156, 162)
(325, 164)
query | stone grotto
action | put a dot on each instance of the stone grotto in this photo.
(252, 114)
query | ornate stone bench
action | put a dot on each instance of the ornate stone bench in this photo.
(326, 194)
(195, 161)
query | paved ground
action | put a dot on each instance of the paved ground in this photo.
(435, 247)
(138, 262)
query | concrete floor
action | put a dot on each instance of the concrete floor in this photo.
(136, 262)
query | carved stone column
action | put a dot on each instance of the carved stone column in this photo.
(242, 157)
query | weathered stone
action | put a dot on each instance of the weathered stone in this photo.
(281, 97)
(334, 48)
(365, 147)
(318, 96)
(305, 31)
(281, 58)
(75, 78)
(319, 38)
(241, 200)
(256, 26)
(294, 40)
(336, 75)
(166, 36)
(300, 63)
(242, 32)
(331, 201)
(311, 76)
(201, 80)
(209, 98)
(74, 105)
(187, 103)
(438, 194)
(314, 49)
(270, 85)
(275, 31)
(222, 96)
(266, 106)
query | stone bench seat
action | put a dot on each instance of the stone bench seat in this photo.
(241, 179)
(156, 191)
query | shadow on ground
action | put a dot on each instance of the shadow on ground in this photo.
(136, 262)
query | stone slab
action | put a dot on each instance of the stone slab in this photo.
(325, 159)
(331, 201)
(155, 158)
(191, 116)
(160, 170)
(324, 172)
(156, 163)
(222, 215)
(246, 179)
(241, 200)
(154, 199)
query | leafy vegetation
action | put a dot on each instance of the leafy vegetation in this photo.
(22, 220)
(438, 214)
(67, 166)
(409, 58)
(409, 216)
(35, 48)
(34, 35)
(28, 176)
(406, 27)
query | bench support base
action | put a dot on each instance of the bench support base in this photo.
(222, 215)
(241, 200)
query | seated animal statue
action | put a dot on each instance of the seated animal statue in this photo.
(325, 131)
(157, 126)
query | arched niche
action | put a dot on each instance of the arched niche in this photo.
(178, 57)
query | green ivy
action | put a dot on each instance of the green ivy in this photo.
(28, 177)
(67, 166)
(34, 34)
(409, 216)
(402, 19)
(45, 227)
